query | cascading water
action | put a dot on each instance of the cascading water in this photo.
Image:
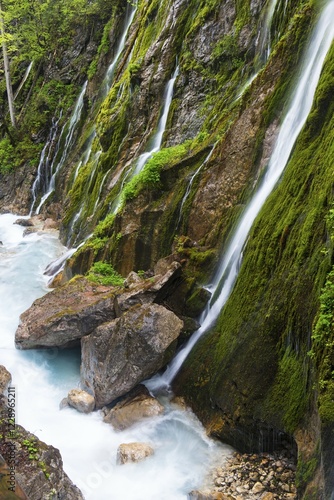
(54, 169)
(155, 142)
(157, 138)
(42, 179)
(130, 13)
(88, 445)
(190, 183)
(106, 85)
(293, 122)
(263, 45)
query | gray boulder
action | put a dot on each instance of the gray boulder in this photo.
(61, 317)
(120, 354)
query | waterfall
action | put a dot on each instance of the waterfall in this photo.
(157, 138)
(264, 47)
(43, 377)
(130, 13)
(263, 44)
(300, 107)
(155, 142)
(41, 181)
(75, 117)
(190, 183)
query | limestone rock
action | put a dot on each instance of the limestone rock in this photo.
(5, 379)
(133, 452)
(81, 401)
(64, 315)
(138, 404)
(120, 354)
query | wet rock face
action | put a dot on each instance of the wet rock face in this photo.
(122, 353)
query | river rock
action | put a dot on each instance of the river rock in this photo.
(138, 404)
(81, 401)
(41, 478)
(133, 452)
(61, 317)
(5, 379)
(120, 354)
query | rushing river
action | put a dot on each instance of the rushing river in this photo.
(43, 378)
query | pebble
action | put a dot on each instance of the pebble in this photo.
(254, 477)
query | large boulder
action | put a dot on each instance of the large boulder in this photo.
(120, 354)
(136, 406)
(61, 317)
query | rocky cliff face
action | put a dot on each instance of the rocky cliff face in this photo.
(251, 378)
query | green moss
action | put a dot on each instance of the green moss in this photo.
(104, 274)
(305, 471)
(258, 367)
(288, 397)
(149, 177)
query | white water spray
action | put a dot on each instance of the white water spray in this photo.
(293, 123)
(75, 117)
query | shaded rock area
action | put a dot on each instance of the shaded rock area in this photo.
(135, 406)
(133, 452)
(251, 477)
(122, 353)
(36, 467)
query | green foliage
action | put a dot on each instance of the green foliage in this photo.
(30, 445)
(104, 274)
(7, 156)
(288, 398)
(227, 51)
(149, 177)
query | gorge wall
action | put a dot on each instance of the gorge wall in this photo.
(264, 373)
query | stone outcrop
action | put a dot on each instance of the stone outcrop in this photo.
(133, 452)
(134, 407)
(5, 379)
(81, 401)
(39, 473)
(122, 353)
(63, 316)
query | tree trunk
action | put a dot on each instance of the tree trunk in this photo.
(7, 72)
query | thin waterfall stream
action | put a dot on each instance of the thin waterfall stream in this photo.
(227, 272)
